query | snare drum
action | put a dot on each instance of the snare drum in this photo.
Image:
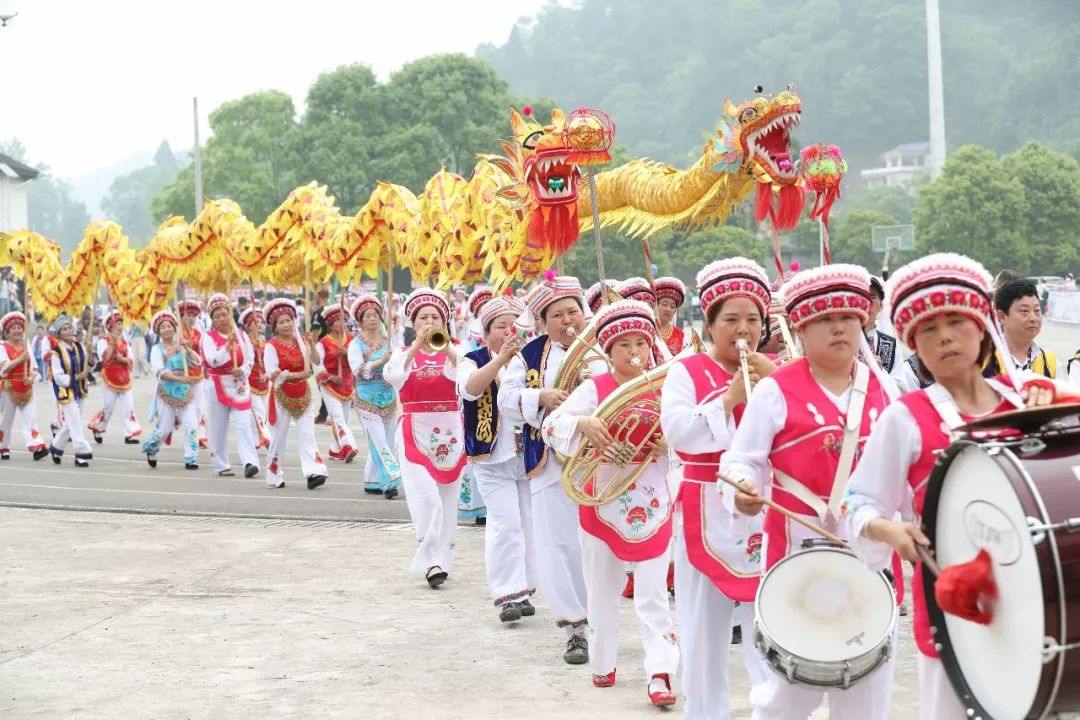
(823, 619)
(1020, 501)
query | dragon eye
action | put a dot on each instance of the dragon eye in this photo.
(747, 115)
(529, 143)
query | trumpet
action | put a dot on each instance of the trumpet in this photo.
(744, 351)
(438, 339)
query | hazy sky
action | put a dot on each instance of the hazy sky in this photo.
(88, 82)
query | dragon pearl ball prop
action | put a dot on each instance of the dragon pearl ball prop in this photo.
(585, 133)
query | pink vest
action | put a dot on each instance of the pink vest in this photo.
(436, 446)
(637, 525)
(934, 437)
(808, 449)
(734, 568)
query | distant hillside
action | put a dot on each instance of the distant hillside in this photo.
(663, 70)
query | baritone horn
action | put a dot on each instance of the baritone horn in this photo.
(632, 416)
(438, 339)
(575, 364)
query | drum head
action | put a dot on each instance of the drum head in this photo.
(825, 605)
(976, 507)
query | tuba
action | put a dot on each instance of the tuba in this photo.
(575, 364)
(632, 416)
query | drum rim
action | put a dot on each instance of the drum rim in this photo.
(759, 628)
(938, 628)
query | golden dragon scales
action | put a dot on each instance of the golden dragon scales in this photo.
(509, 221)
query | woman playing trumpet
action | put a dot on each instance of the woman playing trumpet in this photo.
(430, 437)
(636, 526)
(704, 397)
(117, 360)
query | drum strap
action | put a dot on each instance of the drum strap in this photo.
(830, 513)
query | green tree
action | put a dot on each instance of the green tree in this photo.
(1050, 221)
(463, 99)
(977, 209)
(128, 200)
(251, 158)
(685, 254)
(896, 201)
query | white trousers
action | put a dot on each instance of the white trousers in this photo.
(259, 411)
(31, 436)
(605, 576)
(71, 428)
(114, 400)
(433, 509)
(311, 462)
(558, 554)
(706, 617)
(168, 416)
(202, 399)
(937, 699)
(869, 699)
(509, 550)
(341, 435)
(219, 416)
(382, 471)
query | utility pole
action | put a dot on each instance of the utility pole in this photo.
(937, 91)
(198, 161)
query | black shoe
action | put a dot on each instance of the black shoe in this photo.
(577, 650)
(56, 456)
(82, 463)
(736, 635)
(435, 579)
(99, 439)
(390, 494)
(191, 466)
(5, 456)
(481, 521)
(250, 470)
(510, 612)
(373, 491)
(40, 453)
(152, 462)
(527, 608)
(131, 441)
(315, 481)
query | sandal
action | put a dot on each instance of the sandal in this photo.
(436, 576)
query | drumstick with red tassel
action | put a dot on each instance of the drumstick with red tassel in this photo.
(966, 590)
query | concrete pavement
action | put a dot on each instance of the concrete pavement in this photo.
(138, 616)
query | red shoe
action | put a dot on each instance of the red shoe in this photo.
(663, 698)
(350, 455)
(604, 680)
(671, 578)
(336, 454)
(628, 591)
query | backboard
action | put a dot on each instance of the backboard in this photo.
(892, 237)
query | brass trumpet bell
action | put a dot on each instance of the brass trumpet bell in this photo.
(438, 340)
(575, 364)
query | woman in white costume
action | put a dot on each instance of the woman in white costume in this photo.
(430, 436)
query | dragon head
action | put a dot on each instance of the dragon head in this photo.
(755, 136)
(551, 177)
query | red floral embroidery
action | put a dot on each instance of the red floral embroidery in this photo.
(273, 466)
(636, 514)
(633, 486)
(838, 301)
(956, 297)
(820, 304)
(753, 544)
(318, 458)
(654, 503)
(442, 451)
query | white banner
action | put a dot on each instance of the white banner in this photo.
(1064, 306)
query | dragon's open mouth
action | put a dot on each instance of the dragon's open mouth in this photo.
(772, 143)
(553, 179)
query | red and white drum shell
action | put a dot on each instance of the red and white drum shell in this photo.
(1019, 500)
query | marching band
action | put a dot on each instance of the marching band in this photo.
(788, 487)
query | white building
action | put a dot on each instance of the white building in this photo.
(902, 164)
(14, 178)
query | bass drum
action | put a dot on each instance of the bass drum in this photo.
(1020, 501)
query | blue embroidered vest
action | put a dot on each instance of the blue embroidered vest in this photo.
(73, 362)
(535, 354)
(482, 414)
